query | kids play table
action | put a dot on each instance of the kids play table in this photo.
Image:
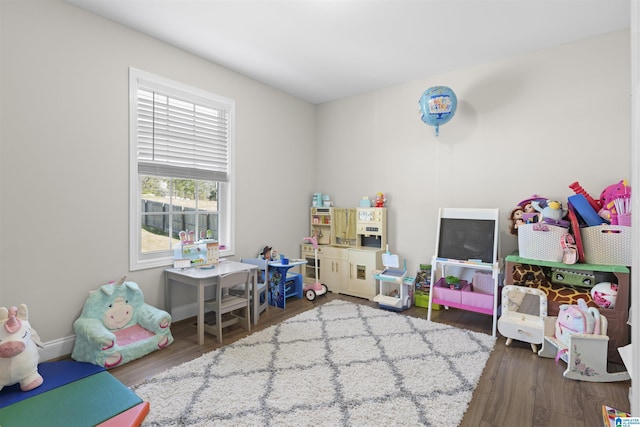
(200, 278)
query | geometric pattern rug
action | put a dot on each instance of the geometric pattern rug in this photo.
(339, 364)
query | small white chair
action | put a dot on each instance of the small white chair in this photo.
(225, 302)
(263, 287)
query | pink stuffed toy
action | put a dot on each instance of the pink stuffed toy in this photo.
(577, 319)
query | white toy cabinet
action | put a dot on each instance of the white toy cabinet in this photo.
(350, 271)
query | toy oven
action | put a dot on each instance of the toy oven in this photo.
(308, 269)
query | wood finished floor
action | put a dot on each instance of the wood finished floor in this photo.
(517, 388)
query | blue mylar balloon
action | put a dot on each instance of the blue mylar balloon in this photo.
(438, 105)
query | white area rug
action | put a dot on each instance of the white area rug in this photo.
(340, 364)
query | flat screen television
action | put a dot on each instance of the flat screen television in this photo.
(468, 234)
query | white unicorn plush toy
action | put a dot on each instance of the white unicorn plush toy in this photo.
(19, 354)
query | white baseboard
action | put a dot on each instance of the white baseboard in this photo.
(184, 312)
(57, 348)
(63, 347)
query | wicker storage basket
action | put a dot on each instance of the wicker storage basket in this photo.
(607, 244)
(541, 241)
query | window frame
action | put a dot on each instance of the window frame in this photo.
(226, 190)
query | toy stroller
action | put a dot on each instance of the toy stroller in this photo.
(311, 291)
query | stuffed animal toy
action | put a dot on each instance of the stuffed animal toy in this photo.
(609, 194)
(577, 319)
(551, 211)
(266, 253)
(524, 213)
(517, 220)
(117, 326)
(18, 349)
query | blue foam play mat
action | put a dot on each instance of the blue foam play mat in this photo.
(55, 374)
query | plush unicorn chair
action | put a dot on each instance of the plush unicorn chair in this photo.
(116, 326)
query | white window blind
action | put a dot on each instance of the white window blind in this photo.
(179, 138)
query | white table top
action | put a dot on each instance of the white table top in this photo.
(222, 267)
(292, 263)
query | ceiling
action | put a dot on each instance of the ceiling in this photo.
(323, 50)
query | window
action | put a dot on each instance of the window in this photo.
(181, 168)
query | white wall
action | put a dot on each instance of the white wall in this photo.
(531, 124)
(64, 157)
(528, 125)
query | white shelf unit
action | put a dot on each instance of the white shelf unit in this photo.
(321, 224)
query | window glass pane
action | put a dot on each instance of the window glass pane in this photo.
(185, 220)
(207, 196)
(208, 209)
(209, 225)
(184, 191)
(155, 207)
(154, 188)
(169, 206)
(154, 234)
